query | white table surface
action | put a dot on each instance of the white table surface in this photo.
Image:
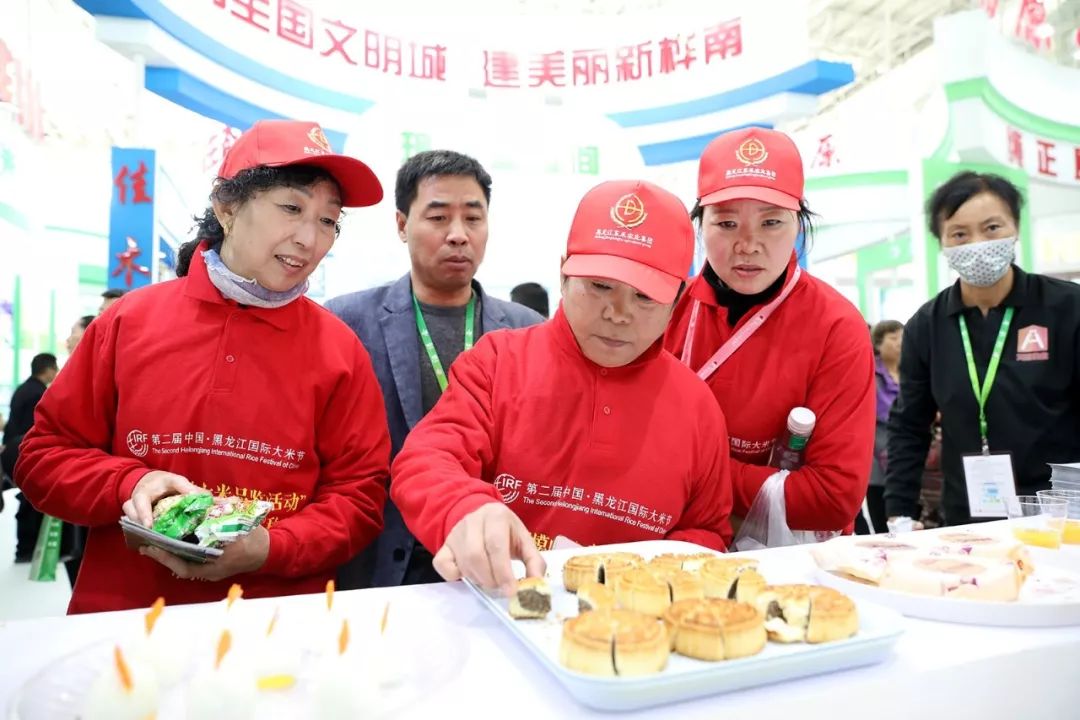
(938, 670)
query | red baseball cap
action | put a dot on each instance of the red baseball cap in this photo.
(278, 143)
(752, 163)
(634, 232)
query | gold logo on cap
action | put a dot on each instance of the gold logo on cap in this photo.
(316, 136)
(628, 211)
(752, 152)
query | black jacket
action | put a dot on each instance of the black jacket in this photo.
(23, 401)
(1033, 410)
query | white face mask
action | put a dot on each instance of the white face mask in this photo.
(983, 263)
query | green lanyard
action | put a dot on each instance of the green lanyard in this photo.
(429, 345)
(981, 394)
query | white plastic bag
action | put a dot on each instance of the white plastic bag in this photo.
(765, 526)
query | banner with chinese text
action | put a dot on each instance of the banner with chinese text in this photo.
(131, 219)
(343, 56)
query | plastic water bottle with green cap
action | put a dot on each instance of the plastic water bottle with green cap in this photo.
(789, 450)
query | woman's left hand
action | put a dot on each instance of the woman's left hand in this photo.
(246, 554)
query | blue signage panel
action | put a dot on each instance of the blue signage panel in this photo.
(131, 219)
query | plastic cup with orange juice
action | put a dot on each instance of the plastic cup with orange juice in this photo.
(1071, 535)
(1038, 521)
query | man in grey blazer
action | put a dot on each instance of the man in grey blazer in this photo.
(415, 327)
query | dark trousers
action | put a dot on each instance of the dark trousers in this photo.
(875, 502)
(27, 527)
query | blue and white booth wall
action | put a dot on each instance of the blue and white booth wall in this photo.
(551, 105)
(977, 99)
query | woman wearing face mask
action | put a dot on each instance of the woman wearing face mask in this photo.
(998, 353)
(225, 380)
(767, 337)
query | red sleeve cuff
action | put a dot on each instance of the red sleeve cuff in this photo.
(127, 484)
(747, 481)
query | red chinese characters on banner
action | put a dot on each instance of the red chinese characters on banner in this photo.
(430, 64)
(627, 63)
(1046, 158)
(128, 265)
(675, 52)
(254, 12)
(549, 68)
(724, 40)
(138, 185)
(296, 23)
(501, 69)
(826, 153)
(17, 87)
(382, 53)
(218, 146)
(634, 62)
(338, 36)
(1016, 147)
(7, 82)
(387, 54)
(590, 67)
(1031, 25)
(1047, 155)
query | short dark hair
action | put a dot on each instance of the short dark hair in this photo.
(42, 362)
(805, 215)
(84, 321)
(963, 186)
(237, 190)
(531, 295)
(883, 328)
(432, 163)
(113, 293)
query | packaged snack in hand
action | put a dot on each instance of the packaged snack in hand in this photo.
(229, 519)
(177, 516)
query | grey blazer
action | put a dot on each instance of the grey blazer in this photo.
(384, 320)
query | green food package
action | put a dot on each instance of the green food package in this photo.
(229, 519)
(177, 516)
(47, 550)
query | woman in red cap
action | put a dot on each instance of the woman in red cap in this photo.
(227, 379)
(581, 427)
(768, 337)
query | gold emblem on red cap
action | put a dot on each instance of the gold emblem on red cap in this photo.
(628, 211)
(751, 152)
(316, 136)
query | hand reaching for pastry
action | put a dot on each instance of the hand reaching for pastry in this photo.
(481, 546)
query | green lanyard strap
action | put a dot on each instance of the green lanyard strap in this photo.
(429, 344)
(982, 393)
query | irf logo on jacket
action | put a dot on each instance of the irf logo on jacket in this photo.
(1033, 343)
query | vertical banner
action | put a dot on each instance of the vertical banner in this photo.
(131, 219)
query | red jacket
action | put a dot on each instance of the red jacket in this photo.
(598, 455)
(814, 351)
(280, 405)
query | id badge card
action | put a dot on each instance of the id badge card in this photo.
(990, 484)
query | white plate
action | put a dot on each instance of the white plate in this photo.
(1049, 598)
(425, 655)
(686, 678)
